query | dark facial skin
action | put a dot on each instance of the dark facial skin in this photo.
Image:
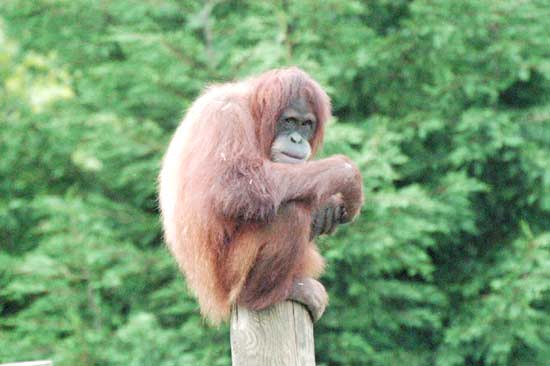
(295, 128)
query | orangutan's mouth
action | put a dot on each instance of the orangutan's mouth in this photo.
(294, 156)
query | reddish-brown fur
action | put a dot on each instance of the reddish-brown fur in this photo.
(238, 223)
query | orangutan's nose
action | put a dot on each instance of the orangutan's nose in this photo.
(296, 138)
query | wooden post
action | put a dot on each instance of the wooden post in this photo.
(281, 335)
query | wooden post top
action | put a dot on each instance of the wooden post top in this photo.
(29, 363)
(281, 335)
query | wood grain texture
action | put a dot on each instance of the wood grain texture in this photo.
(281, 335)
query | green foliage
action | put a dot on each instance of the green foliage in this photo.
(445, 105)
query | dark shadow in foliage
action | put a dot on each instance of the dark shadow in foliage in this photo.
(524, 93)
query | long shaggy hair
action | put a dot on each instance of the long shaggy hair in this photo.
(237, 223)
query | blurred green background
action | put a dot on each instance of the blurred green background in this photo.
(444, 104)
